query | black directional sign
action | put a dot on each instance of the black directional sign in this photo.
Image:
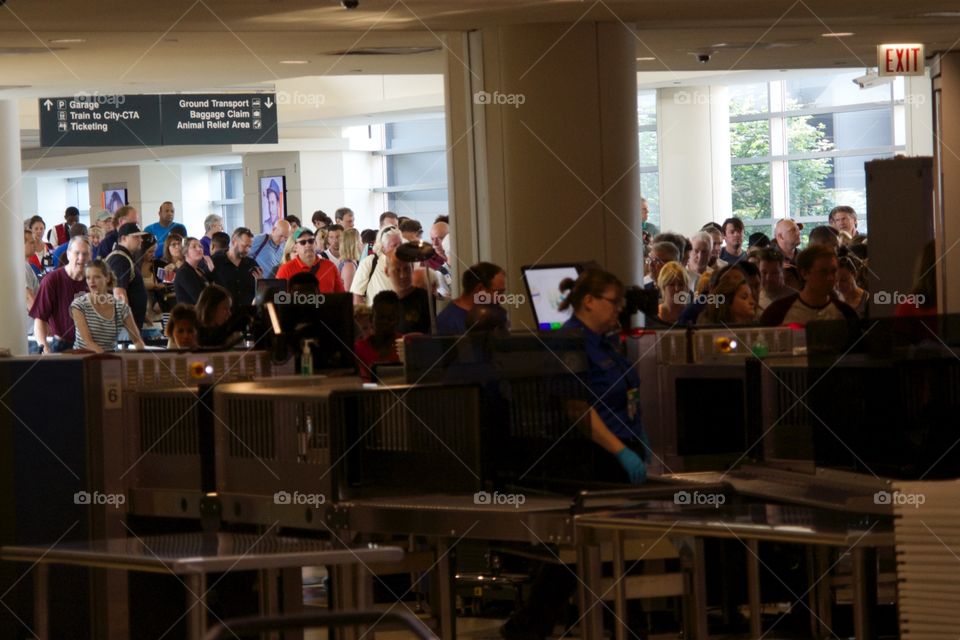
(100, 121)
(232, 118)
(152, 120)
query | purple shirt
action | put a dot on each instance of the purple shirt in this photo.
(52, 304)
(205, 242)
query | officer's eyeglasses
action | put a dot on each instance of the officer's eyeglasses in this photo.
(617, 302)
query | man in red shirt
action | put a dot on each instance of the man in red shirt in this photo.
(326, 273)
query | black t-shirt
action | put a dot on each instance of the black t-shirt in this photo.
(188, 284)
(127, 271)
(238, 280)
(415, 312)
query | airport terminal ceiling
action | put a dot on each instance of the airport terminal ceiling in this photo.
(60, 46)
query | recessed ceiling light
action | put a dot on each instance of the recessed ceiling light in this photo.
(68, 40)
(294, 62)
(647, 59)
(940, 14)
(837, 34)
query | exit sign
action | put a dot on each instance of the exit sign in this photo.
(900, 59)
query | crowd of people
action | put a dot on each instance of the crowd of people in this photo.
(717, 276)
(88, 287)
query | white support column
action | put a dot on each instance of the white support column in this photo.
(918, 114)
(721, 180)
(694, 148)
(543, 148)
(13, 313)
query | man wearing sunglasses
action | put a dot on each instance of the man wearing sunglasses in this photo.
(306, 259)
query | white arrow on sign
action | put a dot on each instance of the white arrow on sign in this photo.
(47, 104)
(269, 103)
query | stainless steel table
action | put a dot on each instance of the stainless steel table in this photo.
(191, 557)
(447, 518)
(751, 523)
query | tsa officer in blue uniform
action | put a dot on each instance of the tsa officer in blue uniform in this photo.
(596, 298)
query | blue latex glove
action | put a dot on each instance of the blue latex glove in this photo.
(633, 465)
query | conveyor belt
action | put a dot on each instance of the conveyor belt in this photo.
(537, 519)
(533, 518)
(784, 523)
(822, 488)
(463, 502)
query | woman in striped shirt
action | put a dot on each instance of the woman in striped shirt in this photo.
(99, 316)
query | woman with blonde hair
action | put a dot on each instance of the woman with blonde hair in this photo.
(674, 294)
(349, 256)
(95, 234)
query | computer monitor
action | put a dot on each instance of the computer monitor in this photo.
(329, 325)
(267, 288)
(543, 287)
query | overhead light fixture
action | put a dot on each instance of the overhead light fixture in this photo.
(68, 40)
(382, 51)
(837, 34)
(294, 62)
(939, 14)
(646, 59)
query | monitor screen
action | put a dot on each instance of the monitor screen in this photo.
(113, 199)
(273, 191)
(268, 288)
(329, 324)
(543, 285)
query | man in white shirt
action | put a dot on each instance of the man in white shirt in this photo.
(332, 252)
(816, 301)
(371, 277)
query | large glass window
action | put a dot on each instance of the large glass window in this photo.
(798, 146)
(415, 165)
(230, 203)
(78, 195)
(649, 165)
